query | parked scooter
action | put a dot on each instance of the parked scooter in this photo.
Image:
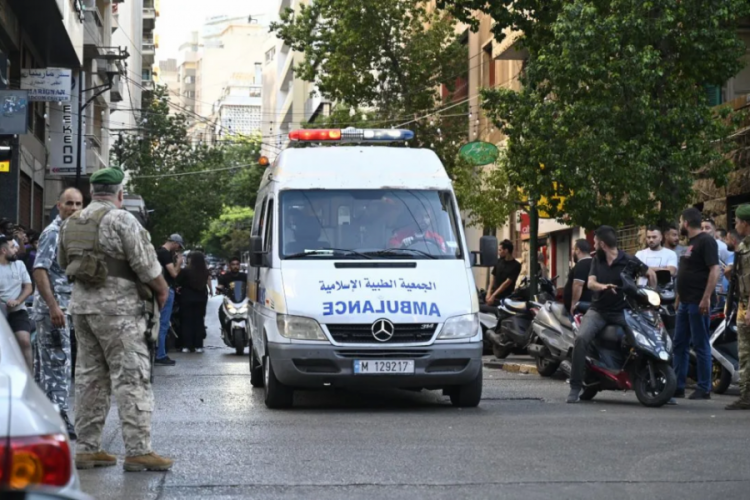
(666, 288)
(233, 315)
(488, 316)
(554, 336)
(512, 332)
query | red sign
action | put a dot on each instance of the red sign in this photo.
(525, 226)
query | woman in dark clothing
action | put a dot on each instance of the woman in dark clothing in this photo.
(195, 285)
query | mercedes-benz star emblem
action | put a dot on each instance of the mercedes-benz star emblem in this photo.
(383, 330)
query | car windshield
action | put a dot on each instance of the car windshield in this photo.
(367, 224)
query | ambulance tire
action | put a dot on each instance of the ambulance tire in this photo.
(467, 395)
(277, 395)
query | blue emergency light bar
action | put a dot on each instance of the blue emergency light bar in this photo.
(350, 135)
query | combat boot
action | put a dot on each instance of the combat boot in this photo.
(152, 461)
(98, 459)
(741, 404)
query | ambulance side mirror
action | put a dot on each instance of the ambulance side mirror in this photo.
(487, 251)
(258, 257)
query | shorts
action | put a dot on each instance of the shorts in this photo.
(19, 321)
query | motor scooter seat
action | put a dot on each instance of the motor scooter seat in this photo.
(516, 305)
(583, 307)
(612, 335)
(562, 315)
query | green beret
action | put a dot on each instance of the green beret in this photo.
(110, 176)
(743, 212)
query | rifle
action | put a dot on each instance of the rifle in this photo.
(733, 290)
(152, 330)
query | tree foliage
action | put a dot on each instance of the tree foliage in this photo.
(384, 64)
(228, 235)
(613, 113)
(185, 185)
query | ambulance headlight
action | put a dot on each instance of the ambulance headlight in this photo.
(299, 328)
(460, 327)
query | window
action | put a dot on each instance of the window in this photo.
(488, 66)
(389, 223)
(270, 54)
(268, 234)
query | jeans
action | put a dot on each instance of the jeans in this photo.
(166, 316)
(693, 326)
(592, 324)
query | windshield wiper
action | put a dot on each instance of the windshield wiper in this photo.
(396, 251)
(328, 251)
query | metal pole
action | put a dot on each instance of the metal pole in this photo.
(79, 138)
(533, 246)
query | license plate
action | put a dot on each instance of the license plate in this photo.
(383, 366)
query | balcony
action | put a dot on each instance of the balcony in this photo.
(93, 33)
(148, 50)
(150, 13)
(115, 93)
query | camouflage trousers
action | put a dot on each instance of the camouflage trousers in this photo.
(52, 361)
(113, 357)
(743, 340)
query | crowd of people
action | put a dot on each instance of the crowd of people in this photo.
(700, 270)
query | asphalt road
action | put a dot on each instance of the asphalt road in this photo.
(522, 442)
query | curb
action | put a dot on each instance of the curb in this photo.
(512, 367)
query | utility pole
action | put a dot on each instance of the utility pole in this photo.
(533, 248)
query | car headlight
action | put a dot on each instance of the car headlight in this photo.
(299, 328)
(460, 327)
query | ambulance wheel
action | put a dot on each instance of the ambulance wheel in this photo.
(278, 395)
(467, 395)
(256, 370)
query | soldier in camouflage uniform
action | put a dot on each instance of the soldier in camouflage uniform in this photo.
(742, 273)
(52, 347)
(110, 323)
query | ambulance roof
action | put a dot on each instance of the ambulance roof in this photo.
(359, 167)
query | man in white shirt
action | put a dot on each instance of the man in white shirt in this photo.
(15, 288)
(656, 257)
(709, 226)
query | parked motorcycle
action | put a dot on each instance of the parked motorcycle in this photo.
(666, 289)
(233, 317)
(512, 333)
(642, 363)
(488, 316)
(553, 336)
(725, 352)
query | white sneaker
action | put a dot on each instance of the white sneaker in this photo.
(199, 350)
(185, 349)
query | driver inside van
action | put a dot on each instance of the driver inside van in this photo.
(420, 229)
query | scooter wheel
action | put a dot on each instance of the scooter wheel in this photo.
(666, 384)
(721, 378)
(546, 367)
(589, 393)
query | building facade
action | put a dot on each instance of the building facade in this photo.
(59, 55)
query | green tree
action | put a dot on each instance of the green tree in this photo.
(228, 234)
(186, 186)
(613, 113)
(384, 64)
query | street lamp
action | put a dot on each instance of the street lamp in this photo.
(110, 57)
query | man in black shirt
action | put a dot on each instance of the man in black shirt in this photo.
(504, 274)
(576, 288)
(170, 258)
(696, 281)
(226, 282)
(607, 305)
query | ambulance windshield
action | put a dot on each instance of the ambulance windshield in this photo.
(367, 224)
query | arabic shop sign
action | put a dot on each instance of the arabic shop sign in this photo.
(47, 85)
(479, 153)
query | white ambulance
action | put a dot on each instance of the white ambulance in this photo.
(360, 274)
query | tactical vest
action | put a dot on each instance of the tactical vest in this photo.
(88, 264)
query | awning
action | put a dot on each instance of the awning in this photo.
(508, 49)
(43, 23)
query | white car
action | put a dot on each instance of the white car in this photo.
(42, 455)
